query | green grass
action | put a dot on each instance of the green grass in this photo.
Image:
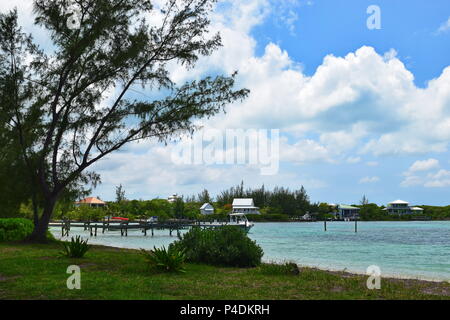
(39, 272)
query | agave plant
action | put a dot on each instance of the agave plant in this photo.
(165, 260)
(76, 248)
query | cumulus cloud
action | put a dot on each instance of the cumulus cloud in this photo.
(424, 165)
(364, 102)
(419, 175)
(439, 179)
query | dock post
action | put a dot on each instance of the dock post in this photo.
(325, 225)
(356, 225)
(152, 232)
(95, 229)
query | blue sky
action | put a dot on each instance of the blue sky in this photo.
(361, 112)
(339, 27)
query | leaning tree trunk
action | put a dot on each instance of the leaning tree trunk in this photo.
(39, 233)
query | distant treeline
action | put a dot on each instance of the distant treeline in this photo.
(277, 201)
(279, 204)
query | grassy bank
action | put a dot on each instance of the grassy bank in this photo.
(39, 272)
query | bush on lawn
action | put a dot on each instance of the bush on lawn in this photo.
(76, 248)
(15, 229)
(224, 246)
(170, 260)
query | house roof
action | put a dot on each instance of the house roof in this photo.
(206, 206)
(344, 206)
(398, 202)
(416, 209)
(90, 200)
(243, 203)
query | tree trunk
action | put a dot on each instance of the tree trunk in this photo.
(39, 234)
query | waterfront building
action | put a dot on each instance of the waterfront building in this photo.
(246, 206)
(400, 207)
(91, 202)
(346, 212)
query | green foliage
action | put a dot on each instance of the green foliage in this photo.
(287, 268)
(84, 213)
(76, 248)
(178, 208)
(15, 229)
(371, 212)
(111, 44)
(225, 246)
(278, 201)
(165, 260)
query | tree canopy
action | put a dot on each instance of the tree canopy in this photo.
(75, 99)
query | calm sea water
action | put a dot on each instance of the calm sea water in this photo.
(402, 249)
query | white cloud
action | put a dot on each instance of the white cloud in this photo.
(372, 163)
(444, 26)
(441, 179)
(424, 165)
(369, 180)
(415, 176)
(304, 151)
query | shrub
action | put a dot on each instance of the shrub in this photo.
(170, 260)
(225, 246)
(15, 229)
(76, 248)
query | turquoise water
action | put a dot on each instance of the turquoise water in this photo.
(402, 249)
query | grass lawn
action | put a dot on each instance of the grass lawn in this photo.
(39, 272)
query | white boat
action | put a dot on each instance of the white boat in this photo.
(240, 220)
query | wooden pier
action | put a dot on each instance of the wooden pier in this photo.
(124, 226)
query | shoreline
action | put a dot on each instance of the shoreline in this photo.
(327, 268)
(343, 273)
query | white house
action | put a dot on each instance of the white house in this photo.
(246, 206)
(401, 207)
(173, 198)
(207, 209)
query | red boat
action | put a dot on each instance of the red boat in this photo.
(119, 218)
